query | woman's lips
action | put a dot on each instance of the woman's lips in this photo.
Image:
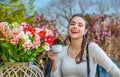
(74, 32)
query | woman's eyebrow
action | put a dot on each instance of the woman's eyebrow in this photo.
(80, 23)
(72, 21)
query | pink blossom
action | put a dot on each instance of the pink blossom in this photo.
(2, 25)
(16, 31)
(36, 43)
(26, 46)
(51, 33)
(10, 32)
(37, 37)
(4, 36)
(14, 41)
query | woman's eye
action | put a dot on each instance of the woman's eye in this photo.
(72, 24)
(80, 25)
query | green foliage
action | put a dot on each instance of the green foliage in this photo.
(29, 20)
(14, 11)
(15, 53)
(13, 0)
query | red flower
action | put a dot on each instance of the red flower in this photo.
(32, 31)
(42, 34)
(29, 28)
(49, 40)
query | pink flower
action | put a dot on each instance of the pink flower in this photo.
(14, 41)
(36, 43)
(26, 46)
(16, 31)
(51, 33)
(3, 36)
(2, 25)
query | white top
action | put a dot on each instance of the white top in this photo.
(67, 67)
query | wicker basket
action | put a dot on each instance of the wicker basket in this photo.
(20, 70)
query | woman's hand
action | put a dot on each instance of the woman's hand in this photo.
(52, 55)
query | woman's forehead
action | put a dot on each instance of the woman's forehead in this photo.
(78, 19)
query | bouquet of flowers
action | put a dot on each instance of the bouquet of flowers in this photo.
(22, 42)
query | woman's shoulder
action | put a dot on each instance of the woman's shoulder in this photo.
(92, 44)
(93, 47)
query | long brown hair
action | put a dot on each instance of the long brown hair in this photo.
(79, 58)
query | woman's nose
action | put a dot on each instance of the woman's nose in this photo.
(75, 26)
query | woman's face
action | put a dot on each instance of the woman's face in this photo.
(77, 28)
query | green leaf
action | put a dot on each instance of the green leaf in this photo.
(1, 39)
(10, 52)
(35, 54)
(6, 45)
(12, 60)
(20, 48)
(39, 50)
(29, 52)
(4, 57)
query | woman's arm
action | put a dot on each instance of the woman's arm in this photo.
(102, 59)
(56, 64)
(56, 68)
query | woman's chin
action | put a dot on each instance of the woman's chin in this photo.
(75, 37)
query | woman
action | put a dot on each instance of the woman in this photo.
(72, 61)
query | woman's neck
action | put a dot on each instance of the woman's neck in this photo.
(76, 44)
(74, 48)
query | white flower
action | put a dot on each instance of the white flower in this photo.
(21, 28)
(29, 34)
(21, 35)
(46, 47)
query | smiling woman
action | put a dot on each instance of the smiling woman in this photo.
(73, 60)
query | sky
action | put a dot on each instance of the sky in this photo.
(41, 3)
